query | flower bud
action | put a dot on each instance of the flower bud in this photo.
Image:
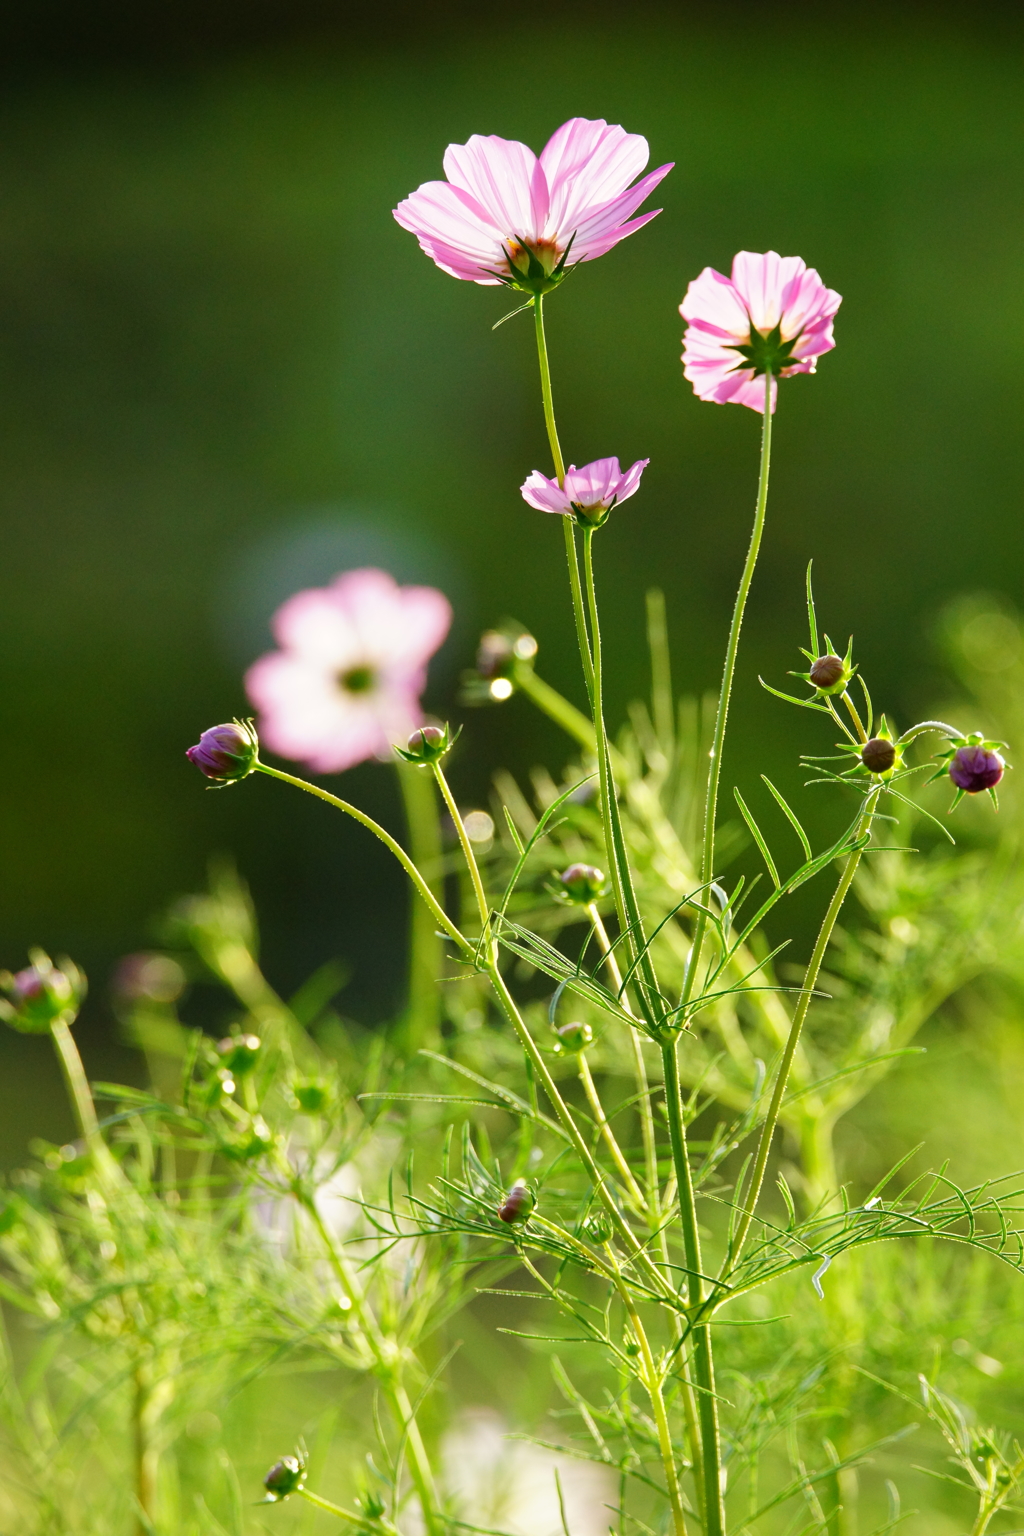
(227, 753)
(284, 1478)
(878, 755)
(976, 768)
(41, 995)
(574, 1037)
(828, 674)
(311, 1094)
(499, 651)
(427, 745)
(582, 883)
(517, 1204)
(598, 1227)
(239, 1053)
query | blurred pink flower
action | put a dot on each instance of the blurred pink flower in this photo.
(773, 312)
(346, 683)
(589, 493)
(501, 201)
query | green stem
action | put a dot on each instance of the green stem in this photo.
(814, 964)
(637, 1252)
(389, 842)
(728, 673)
(559, 462)
(610, 1141)
(703, 1358)
(653, 1383)
(426, 948)
(82, 1101)
(644, 1108)
(645, 983)
(482, 904)
(319, 1502)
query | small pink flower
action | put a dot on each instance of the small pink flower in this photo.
(588, 494)
(346, 683)
(773, 313)
(501, 201)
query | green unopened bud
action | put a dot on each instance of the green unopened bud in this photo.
(598, 1227)
(582, 883)
(285, 1478)
(574, 1037)
(312, 1095)
(42, 995)
(517, 1204)
(427, 745)
(239, 1053)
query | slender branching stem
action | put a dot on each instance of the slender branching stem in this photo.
(643, 1090)
(637, 1253)
(858, 723)
(389, 842)
(729, 671)
(559, 462)
(653, 1382)
(814, 964)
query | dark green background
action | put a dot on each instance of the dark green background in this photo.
(227, 372)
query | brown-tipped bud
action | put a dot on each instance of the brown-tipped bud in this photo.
(827, 671)
(284, 1478)
(517, 1204)
(878, 755)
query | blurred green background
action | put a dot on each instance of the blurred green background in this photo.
(227, 373)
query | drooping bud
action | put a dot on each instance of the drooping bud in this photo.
(239, 1053)
(284, 1478)
(976, 768)
(574, 1037)
(878, 755)
(227, 753)
(517, 1204)
(828, 674)
(582, 883)
(41, 995)
(427, 745)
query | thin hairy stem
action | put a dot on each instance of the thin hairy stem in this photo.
(636, 1194)
(644, 1107)
(814, 964)
(645, 984)
(482, 906)
(637, 1253)
(703, 1359)
(728, 673)
(652, 1380)
(426, 947)
(559, 463)
(389, 842)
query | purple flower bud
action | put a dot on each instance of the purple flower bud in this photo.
(974, 769)
(226, 753)
(827, 671)
(878, 755)
(427, 745)
(582, 883)
(517, 1204)
(41, 995)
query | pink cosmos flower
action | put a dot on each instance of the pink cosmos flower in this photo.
(346, 683)
(588, 494)
(773, 313)
(500, 202)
